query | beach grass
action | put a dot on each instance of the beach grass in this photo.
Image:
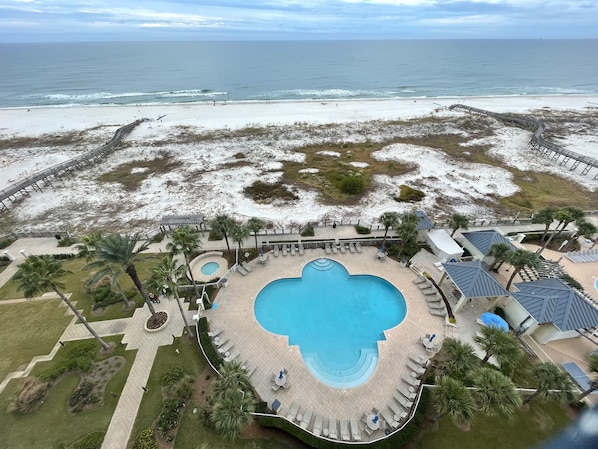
(29, 329)
(131, 174)
(529, 428)
(74, 283)
(52, 425)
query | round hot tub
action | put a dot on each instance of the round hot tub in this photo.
(210, 268)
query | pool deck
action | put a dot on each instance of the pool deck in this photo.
(270, 353)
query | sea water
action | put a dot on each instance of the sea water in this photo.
(58, 74)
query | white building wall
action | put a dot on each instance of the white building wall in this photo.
(515, 313)
(545, 332)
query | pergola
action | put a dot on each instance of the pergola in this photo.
(472, 281)
(170, 222)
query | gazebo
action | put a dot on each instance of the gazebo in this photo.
(170, 222)
(473, 281)
(550, 310)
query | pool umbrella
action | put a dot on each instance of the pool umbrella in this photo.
(261, 251)
(432, 337)
(491, 319)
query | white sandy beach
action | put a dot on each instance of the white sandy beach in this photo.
(208, 181)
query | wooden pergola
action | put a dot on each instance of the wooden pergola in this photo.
(170, 222)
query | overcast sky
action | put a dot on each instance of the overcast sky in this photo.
(76, 20)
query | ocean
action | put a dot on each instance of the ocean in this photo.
(62, 74)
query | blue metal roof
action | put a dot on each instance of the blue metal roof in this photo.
(423, 222)
(483, 240)
(553, 301)
(473, 280)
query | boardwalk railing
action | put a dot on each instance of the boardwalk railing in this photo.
(20, 187)
(537, 142)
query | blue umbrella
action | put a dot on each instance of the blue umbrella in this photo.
(432, 337)
(491, 319)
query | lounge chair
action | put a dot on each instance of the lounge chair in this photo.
(327, 248)
(429, 291)
(276, 250)
(424, 285)
(275, 386)
(342, 248)
(355, 432)
(389, 418)
(418, 369)
(214, 332)
(332, 429)
(345, 436)
(403, 401)
(352, 248)
(317, 429)
(420, 280)
(364, 418)
(292, 414)
(241, 270)
(306, 419)
(397, 411)
(404, 390)
(220, 341)
(232, 356)
(293, 250)
(358, 247)
(433, 299)
(225, 348)
(416, 358)
(438, 312)
(409, 380)
(436, 305)
(247, 267)
(334, 248)
(285, 250)
(250, 370)
(301, 249)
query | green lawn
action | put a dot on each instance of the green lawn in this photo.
(52, 426)
(74, 283)
(29, 329)
(539, 423)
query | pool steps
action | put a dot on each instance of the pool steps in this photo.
(348, 378)
(322, 264)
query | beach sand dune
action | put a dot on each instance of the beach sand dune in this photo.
(199, 158)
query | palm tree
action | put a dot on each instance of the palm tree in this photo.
(86, 250)
(38, 274)
(587, 229)
(232, 376)
(520, 258)
(498, 251)
(239, 234)
(231, 412)
(545, 217)
(565, 216)
(388, 220)
(458, 221)
(185, 241)
(495, 393)
(407, 231)
(552, 382)
(593, 367)
(456, 358)
(255, 225)
(453, 398)
(496, 342)
(119, 250)
(164, 277)
(224, 224)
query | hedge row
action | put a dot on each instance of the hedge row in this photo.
(206, 342)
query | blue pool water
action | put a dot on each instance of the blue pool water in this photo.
(210, 268)
(336, 319)
(596, 284)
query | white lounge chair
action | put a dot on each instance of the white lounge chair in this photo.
(342, 248)
(334, 248)
(285, 250)
(250, 370)
(292, 414)
(332, 429)
(241, 270)
(403, 401)
(416, 358)
(397, 411)
(275, 250)
(358, 247)
(225, 348)
(418, 369)
(355, 432)
(293, 250)
(317, 429)
(436, 305)
(433, 299)
(247, 267)
(220, 341)
(214, 332)
(352, 248)
(345, 436)
(411, 381)
(306, 419)
(439, 312)
(327, 248)
(389, 418)
(420, 280)
(233, 355)
(301, 249)
(404, 390)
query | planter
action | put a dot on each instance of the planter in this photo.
(156, 325)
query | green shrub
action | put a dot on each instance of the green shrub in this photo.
(157, 238)
(409, 195)
(104, 296)
(78, 357)
(145, 440)
(308, 231)
(215, 234)
(91, 441)
(362, 230)
(6, 242)
(352, 185)
(567, 279)
(66, 241)
(170, 415)
(185, 389)
(82, 396)
(206, 342)
(172, 376)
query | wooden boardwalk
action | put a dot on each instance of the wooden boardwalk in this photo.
(547, 149)
(45, 176)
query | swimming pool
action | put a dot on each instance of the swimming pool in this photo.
(335, 319)
(210, 268)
